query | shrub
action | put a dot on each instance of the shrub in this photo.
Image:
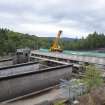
(92, 77)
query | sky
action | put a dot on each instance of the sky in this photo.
(76, 18)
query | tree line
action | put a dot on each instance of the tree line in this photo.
(10, 41)
(91, 42)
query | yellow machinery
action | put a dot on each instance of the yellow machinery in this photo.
(55, 46)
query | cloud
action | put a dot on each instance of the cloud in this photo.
(76, 18)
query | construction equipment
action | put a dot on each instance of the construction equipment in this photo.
(55, 46)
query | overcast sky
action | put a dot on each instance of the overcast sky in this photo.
(76, 18)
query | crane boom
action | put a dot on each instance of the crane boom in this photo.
(55, 44)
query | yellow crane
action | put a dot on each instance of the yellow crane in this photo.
(55, 46)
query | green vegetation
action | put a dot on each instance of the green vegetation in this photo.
(91, 42)
(10, 41)
(60, 102)
(92, 77)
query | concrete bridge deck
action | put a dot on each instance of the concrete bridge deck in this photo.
(70, 57)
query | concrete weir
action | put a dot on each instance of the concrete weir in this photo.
(20, 84)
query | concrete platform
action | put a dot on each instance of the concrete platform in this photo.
(68, 57)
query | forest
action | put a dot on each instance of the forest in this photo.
(10, 41)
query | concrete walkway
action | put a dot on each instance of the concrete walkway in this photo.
(32, 100)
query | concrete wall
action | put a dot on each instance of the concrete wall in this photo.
(18, 86)
(6, 63)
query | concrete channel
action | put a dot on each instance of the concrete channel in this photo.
(6, 62)
(18, 82)
(18, 69)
